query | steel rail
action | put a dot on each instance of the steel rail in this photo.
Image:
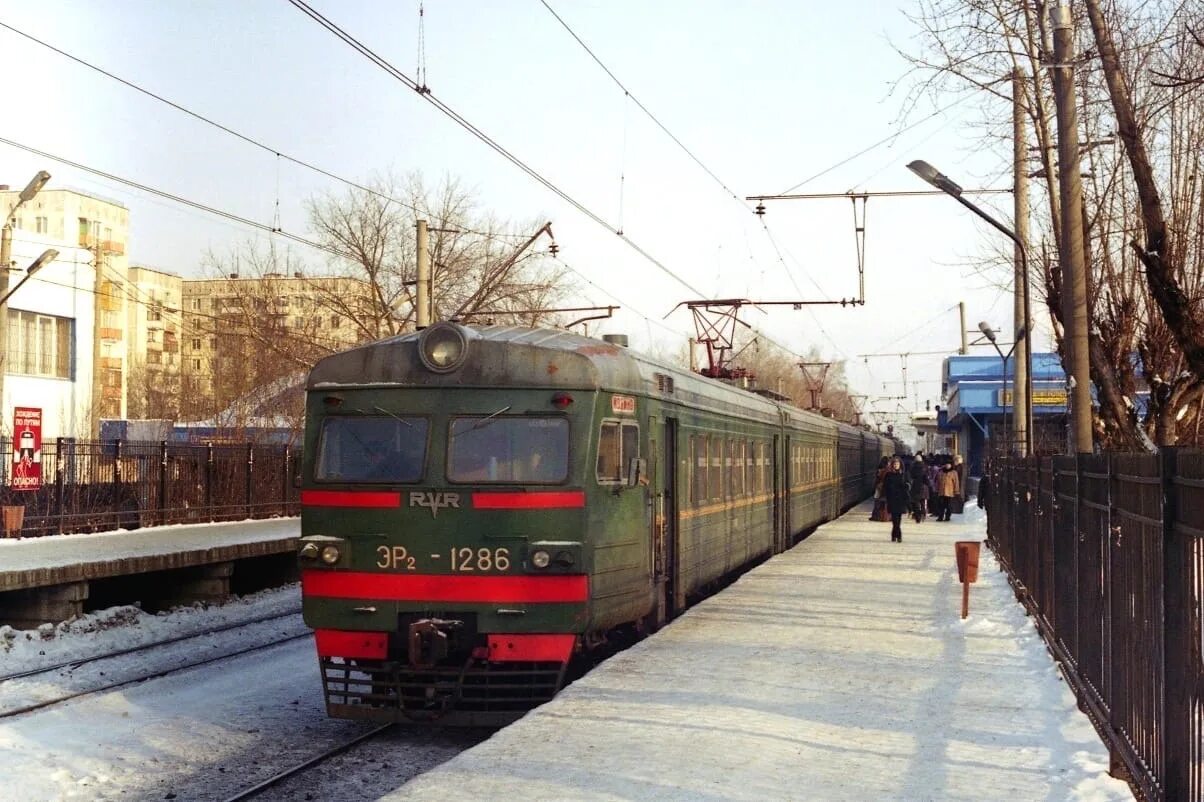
(276, 779)
(156, 675)
(144, 647)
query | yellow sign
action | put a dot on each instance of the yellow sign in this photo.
(1041, 398)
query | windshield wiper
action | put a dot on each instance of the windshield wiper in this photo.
(394, 417)
(484, 421)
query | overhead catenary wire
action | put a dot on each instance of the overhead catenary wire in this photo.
(241, 136)
(426, 94)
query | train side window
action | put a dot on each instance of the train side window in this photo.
(698, 456)
(715, 477)
(738, 468)
(618, 444)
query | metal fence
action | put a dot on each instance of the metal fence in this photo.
(1107, 553)
(91, 486)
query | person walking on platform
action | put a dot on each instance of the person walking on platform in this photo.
(896, 491)
(919, 489)
(948, 488)
(879, 500)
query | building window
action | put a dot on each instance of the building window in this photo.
(196, 343)
(335, 320)
(196, 303)
(42, 224)
(39, 345)
(196, 364)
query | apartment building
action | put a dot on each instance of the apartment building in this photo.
(240, 334)
(154, 328)
(62, 357)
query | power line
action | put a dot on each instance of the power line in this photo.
(642, 107)
(875, 146)
(184, 201)
(238, 135)
(426, 94)
(627, 93)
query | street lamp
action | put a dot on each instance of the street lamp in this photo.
(942, 182)
(48, 256)
(989, 333)
(6, 243)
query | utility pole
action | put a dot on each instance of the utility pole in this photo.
(1021, 413)
(423, 313)
(961, 310)
(1071, 257)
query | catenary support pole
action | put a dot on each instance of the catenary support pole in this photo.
(961, 310)
(1071, 256)
(1022, 386)
(423, 312)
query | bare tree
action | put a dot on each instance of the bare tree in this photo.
(274, 315)
(969, 46)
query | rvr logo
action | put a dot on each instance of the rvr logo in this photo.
(434, 501)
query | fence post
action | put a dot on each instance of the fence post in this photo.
(209, 480)
(163, 482)
(117, 491)
(58, 483)
(1176, 639)
(286, 482)
(250, 474)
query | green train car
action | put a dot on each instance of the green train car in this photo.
(480, 503)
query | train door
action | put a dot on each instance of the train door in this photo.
(780, 526)
(663, 500)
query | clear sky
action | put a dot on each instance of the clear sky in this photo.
(764, 94)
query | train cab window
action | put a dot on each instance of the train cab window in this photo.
(371, 449)
(618, 445)
(510, 450)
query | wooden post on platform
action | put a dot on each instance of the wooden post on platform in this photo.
(966, 552)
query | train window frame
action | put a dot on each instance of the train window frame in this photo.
(321, 477)
(698, 469)
(449, 455)
(626, 429)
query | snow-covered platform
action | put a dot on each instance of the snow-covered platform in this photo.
(46, 578)
(840, 670)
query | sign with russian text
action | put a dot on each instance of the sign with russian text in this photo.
(27, 448)
(622, 405)
(1041, 398)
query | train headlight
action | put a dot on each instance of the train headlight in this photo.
(310, 551)
(540, 559)
(564, 558)
(330, 554)
(443, 347)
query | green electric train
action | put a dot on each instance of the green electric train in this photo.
(479, 504)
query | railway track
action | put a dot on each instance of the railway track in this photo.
(72, 664)
(338, 749)
(145, 676)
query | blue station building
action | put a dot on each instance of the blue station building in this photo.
(979, 393)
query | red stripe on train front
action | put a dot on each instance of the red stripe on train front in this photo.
(445, 588)
(345, 498)
(566, 499)
(531, 648)
(337, 643)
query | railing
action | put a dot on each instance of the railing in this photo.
(1107, 553)
(91, 486)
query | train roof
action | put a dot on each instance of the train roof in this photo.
(518, 356)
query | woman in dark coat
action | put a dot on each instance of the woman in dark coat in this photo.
(919, 489)
(896, 491)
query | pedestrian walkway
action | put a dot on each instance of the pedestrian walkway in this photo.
(840, 670)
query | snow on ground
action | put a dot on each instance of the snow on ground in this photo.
(840, 670)
(127, 626)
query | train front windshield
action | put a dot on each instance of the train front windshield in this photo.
(526, 450)
(371, 449)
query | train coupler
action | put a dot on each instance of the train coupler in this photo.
(428, 641)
